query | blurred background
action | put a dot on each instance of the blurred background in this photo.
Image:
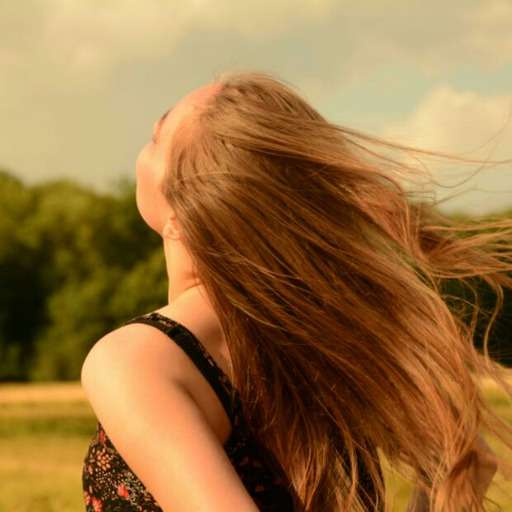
(81, 84)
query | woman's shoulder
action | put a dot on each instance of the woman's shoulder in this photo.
(134, 380)
(138, 359)
(134, 350)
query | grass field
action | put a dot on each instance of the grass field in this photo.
(45, 431)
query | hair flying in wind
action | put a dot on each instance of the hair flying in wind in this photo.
(328, 281)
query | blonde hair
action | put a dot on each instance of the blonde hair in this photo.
(327, 280)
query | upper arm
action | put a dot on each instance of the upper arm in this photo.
(156, 425)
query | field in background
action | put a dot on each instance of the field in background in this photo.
(44, 433)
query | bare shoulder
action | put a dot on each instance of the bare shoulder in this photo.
(134, 350)
(138, 358)
(128, 366)
(136, 381)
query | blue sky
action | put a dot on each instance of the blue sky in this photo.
(82, 81)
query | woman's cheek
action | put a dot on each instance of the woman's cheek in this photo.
(151, 203)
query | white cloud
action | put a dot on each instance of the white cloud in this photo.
(492, 33)
(356, 40)
(469, 125)
(80, 43)
(70, 70)
(456, 120)
(88, 38)
(264, 18)
(114, 29)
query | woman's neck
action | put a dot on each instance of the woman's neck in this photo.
(181, 272)
(193, 309)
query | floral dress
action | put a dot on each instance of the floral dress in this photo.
(109, 485)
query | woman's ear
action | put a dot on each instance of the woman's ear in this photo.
(172, 229)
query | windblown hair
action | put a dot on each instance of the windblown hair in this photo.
(328, 281)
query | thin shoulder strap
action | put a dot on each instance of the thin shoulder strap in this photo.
(204, 362)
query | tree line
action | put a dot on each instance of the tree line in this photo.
(75, 264)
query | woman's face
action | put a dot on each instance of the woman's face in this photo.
(152, 160)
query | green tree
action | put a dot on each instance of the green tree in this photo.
(22, 293)
(106, 266)
(74, 264)
(83, 311)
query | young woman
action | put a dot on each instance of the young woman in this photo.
(306, 333)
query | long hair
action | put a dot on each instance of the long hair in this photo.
(328, 283)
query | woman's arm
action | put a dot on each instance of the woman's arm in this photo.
(133, 378)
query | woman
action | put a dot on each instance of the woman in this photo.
(305, 327)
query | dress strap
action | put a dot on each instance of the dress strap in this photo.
(204, 362)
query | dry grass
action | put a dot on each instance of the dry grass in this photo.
(41, 474)
(45, 430)
(65, 392)
(44, 433)
(59, 392)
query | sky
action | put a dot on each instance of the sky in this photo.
(82, 81)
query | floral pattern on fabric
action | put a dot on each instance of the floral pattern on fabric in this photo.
(109, 485)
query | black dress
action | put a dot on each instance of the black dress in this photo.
(109, 485)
